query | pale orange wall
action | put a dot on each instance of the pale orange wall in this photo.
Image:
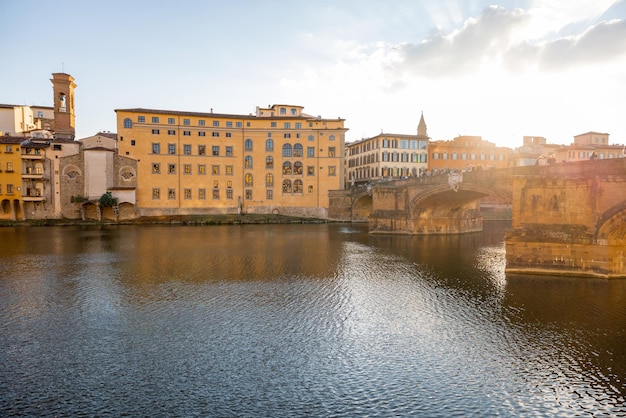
(257, 129)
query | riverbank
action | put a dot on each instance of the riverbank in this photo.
(176, 220)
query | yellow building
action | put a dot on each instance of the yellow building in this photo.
(10, 178)
(466, 153)
(278, 160)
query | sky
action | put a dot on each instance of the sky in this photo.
(499, 69)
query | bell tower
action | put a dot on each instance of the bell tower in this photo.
(64, 118)
(421, 128)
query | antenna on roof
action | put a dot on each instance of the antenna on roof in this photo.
(62, 68)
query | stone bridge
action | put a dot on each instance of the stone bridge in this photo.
(567, 218)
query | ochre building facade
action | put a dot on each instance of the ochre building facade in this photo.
(277, 160)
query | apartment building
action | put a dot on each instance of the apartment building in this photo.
(276, 160)
(466, 152)
(387, 156)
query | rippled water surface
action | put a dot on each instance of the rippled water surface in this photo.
(297, 320)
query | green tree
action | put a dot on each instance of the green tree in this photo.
(107, 200)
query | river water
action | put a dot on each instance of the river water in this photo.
(297, 320)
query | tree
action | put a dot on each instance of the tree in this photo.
(107, 200)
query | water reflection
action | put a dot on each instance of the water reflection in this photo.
(297, 320)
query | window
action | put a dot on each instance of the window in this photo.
(287, 168)
(269, 194)
(202, 194)
(171, 194)
(310, 189)
(248, 162)
(298, 125)
(297, 168)
(273, 124)
(156, 168)
(310, 170)
(229, 184)
(216, 123)
(248, 145)
(248, 180)
(201, 149)
(229, 170)
(201, 122)
(201, 168)
(186, 122)
(331, 138)
(269, 144)
(287, 135)
(287, 125)
(331, 151)
(311, 138)
(155, 119)
(201, 133)
(155, 132)
(238, 124)
(229, 124)
(141, 119)
(171, 148)
(286, 186)
(156, 148)
(283, 111)
(215, 134)
(132, 142)
(298, 150)
(171, 168)
(310, 152)
(187, 149)
(287, 150)
(216, 150)
(171, 121)
(229, 135)
(229, 194)
(215, 170)
(269, 180)
(298, 187)
(187, 168)
(9, 167)
(156, 194)
(269, 162)
(128, 123)
(216, 194)
(248, 194)
(229, 151)
(332, 170)
(187, 194)
(186, 133)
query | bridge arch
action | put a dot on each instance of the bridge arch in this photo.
(446, 198)
(611, 226)
(362, 206)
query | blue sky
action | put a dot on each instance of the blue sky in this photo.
(498, 69)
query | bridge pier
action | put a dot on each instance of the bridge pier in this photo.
(569, 220)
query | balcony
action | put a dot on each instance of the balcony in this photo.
(32, 156)
(33, 176)
(33, 198)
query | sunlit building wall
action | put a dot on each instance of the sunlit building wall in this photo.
(277, 160)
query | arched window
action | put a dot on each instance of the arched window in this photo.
(248, 162)
(269, 162)
(311, 138)
(297, 186)
(298, 150)
(248, 179)
(331, 138)
(286, 167)
(269, 144)
(248, 144)
(269, 180)
(286, 186)
(297, 168)
(287, 150)
(128, 123)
